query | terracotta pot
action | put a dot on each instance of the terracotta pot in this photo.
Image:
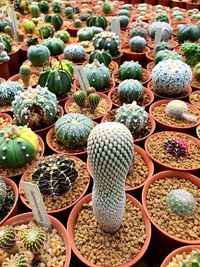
(98, 118)
(146, 91)
(16, 77)
(190, 5)
(162, 175)
(165, 3)
(173, 43)
(15, 207)
(72, 222)
(151, 2)
(59, 212)
(2, 80)
(5, 116)
(195, 84)
(166, 127)
(159, 97)
(23, 53)
(181, 4)
(185, 249)
(162, 166)
(14, 62)
(26, 217)
(147, 161)
(150, 66)
(118, 59)
(4, 70)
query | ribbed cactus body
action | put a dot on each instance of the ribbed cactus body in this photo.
(130, 70)
(34, 239)
(138, 29)
(8, 91)
(166, 30)
(63, 35)
(16, 261)
(98, 21)
(80, 98)
(45, 31)
(102, 56)
(165, 55)
(137, 44)
(3, 192)
(74, 53)
(7, 41)
(110, 153)
(162, 46)
(55, 46)
(7, 237)
(130, 90)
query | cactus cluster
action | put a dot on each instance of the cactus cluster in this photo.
(3, 54)
(75, 53)
(7, 237)
(130, 70)
(110, 154)
(34, 239)
(137, 44)
(132, 116)
(3, 192)
(192, 53)
(45, 30)
(55, 175)
(181, 202)
(16, 261)
(73, 129)
(36, 107)
(8, 91)
(177, 147)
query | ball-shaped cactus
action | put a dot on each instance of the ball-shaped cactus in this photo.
(3, 192)
(16, 261)
(73, 129)
(171, 77)
(35, 107)
(132, 116)
(18, 146)
(55, 45)
(166, 30)
(80, 98)
(38, 55)
(110, 154)
(137, 44)
(63, 35)
(130, 90)
(130, 70)
(181, 202)
(138, 29)
(75, 53)
(162, 46)
(177, 147)
(102, 56)
(7, 237)
(8, 91)
(196, 72)
(165, 55)
(97, 21)
(34, 239)
(162, 17)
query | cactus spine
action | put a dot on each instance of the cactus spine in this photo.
(34, 239)
(7, 237)
(25, 74)
(80, 98)
(16, 261)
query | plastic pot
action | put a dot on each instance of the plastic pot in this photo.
(4, 70)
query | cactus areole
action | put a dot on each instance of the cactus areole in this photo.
(110, 154)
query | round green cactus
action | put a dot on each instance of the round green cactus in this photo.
(69, 12)
(102, 56)
(162, 17)
(130, 90)
(56, 20)
(138, 29)
(38, 55)
(45, 31)
(124, 21)
(166, 30)
(197, 72)
(34, 11)
(181, 202)
(80, 98)
(8, 91)
(34, 239)
(73, 129)
(162, 46)
(124, 12)
(25, 74)
(77, 23)
(7, 237)
(43, 6)
(187, 32)
(57, 6)
(110, 153)
(7, 41)
(75, 53)
(98, 75)
(93, 101)
(16, 261)
(132, 116)
(3, 193)
(55, 45)
(166, 54)
(85, 34)
(98, 21)
(130, 70)
(29, 26)
(63, 35)
(107, 7)
(137, 44)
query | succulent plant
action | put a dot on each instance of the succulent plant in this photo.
(102, 56)
(75, 53)
(25, 74)
(187, 32)
(34, 11)
(181, 202)
(165, 55)
(80, 98)
(45, 30)
(193, 261)
(35, 107)
(73, 129)
(171, 77)
(93, 101)
(177, 147)
(55, 175)
(107, 7)
(166, 30)
(108, 41)
(85, 34)
(162, 46)
(179, 110)
(38, 55)
(97, 21)
(191, 52)
(63, 35)
(9, 30)
(130, 70)
(3, 194)
(110, 160)
(77, 23)
(162, 17)
(43, 6)
(22, 6)
(124, 12)
(132, 116)
(196, 72)
(3, 54)
(8, 91)
(69, 12)
(34, 239)
(7, 237)
(130, 90)
(7, 41)
(57, 6)
(137, 44)
(55, 45)
(16, 261)
(138, 29)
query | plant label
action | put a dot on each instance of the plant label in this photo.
(158, 36)
(42, 17)
(13, 17)
(82, 79)
(115, 26)
(37, 205)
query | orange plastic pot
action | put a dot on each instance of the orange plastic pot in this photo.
(15, 208)
(4, 70)
(181, 4)
(166, 127)
(173, 43)
(165, 3)
(26, 217)
(72, 222)
(7, 117)
(118, 59)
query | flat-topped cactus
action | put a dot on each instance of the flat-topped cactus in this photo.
(3, 192)
(8, 91)
(55, 175)
(75, 53)
(34, 107)
(110, 154)
(34, 239)
(16, 261)
(7, 237)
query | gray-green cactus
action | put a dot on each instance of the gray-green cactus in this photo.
(181, 202)
(34, 239)
(110, 154)
(7, 237)
(3, 192)
(130, 90)
(8, 91)
(3, 54)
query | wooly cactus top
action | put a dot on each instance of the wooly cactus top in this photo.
(8, 91)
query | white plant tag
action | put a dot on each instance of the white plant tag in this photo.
(82, 79)
(37, 205)
(158, 36)
(115, 26)
(13, 17)
(42, 17)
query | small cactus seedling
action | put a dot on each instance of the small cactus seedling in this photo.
(177, 147)
(181, 202)
(7, 237)
(91, 90)
(34, 239)
(3, 192)
(80, 98)
(8, 29)
(94, 100)
(196, 72)
(25, 74)
(15, 261)
(179, 110)
(193, 261)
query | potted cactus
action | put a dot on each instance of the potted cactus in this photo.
(108, 215)
(4, 58)
(75, 53)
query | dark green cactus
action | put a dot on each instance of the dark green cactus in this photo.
(162, 46)
(7, 237)
(7, 41)
(57, 6)
(43, 6)
(98, 21)
(45, 31)
(130, 70)
(94, 100)
(162, 17)
(80, 98)
(34, 239)
(3, 192)
(102, 56)
(192, 53)
(55, 175)
(130, 90)
(16, 261)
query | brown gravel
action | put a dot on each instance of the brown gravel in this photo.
(4, 123)
(145, 77)
(186, 228)
(144, 100)
(195, 83)
(157, 151)
(179, 259)
(144, 132)
(66, 198)
(105, 249)
(195, 99)
(160, 115)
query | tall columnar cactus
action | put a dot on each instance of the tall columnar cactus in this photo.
(132, 116)
(181, 202)
(34, 107)
(7, 237)
(110, 154)
(55, 175)
(130, 90)
(75, 53)
(130, 70)
(171, 77)
(73, 129)
(34, 239)
(8, 91)
(16, 261)
(94, 100)
(137, 44)
(3, 193)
